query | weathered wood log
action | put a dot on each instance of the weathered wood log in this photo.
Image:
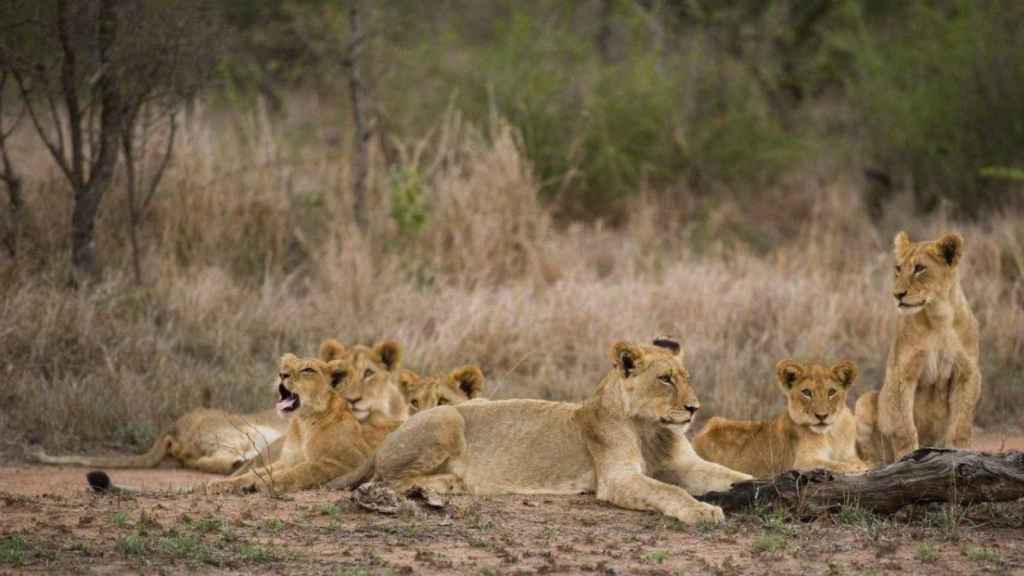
(923, 476)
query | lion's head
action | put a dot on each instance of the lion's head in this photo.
(925, 271)
(815, 394)
(458, 386)
(372, 384)
(307, 385)
(654, 383)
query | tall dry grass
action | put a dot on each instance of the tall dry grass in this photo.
(250, 252)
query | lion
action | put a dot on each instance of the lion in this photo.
(369, 382)
(324, 438)
(373, 387)
(932, 380)
(817, 430)
(425, 392)
(627, 443)
(204, 439)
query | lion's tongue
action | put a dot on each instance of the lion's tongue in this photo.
(286, 404)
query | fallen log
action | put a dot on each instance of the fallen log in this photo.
(923, 476)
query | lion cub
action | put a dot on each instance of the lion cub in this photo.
(458, 386)
(324, 439)
(816, 430)
(932, 381)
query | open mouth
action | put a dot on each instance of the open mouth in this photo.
(289, 400)
(671, 422)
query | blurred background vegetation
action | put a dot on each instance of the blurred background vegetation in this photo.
(613, 97)
(540, 178)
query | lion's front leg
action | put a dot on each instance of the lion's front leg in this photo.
(629, 488)
(852, 466)
(963, 399)
(696, 475)
(279, 477)
(896, 410)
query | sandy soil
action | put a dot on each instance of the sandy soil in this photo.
(51, 523)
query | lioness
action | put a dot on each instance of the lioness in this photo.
(626, 442)
(932, 381)
(817, 429)
(324, 439)
(458, 386)
(209, 440)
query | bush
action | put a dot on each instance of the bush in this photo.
(943, 97)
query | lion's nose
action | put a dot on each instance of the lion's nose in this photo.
(822, 417)
(900, 295)
(692, 408)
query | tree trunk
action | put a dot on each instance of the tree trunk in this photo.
(924, 476)
(89, 194)
(361, 133)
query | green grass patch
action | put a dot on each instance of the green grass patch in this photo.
(926, 553)
(13, 550)
(655, 557)
(769, 543)
(982, 554)
(131, 545)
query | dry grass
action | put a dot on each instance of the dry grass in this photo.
(251, 252)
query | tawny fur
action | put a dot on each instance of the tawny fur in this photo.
(816, 430)
(203, 439)
(458, 386)
(369, 383)
(324, 439)
(932, 380)
(627, 443)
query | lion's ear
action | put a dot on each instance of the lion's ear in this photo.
(788, 373)
(287, 358)
(468, 379)
(670, 344)
(627, 357)
(846, 373)
(390, 354)
(951, 247)
(331, 350)
(408, 381)
(337, 372)
(900, 243)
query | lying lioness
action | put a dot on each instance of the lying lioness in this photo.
(626, 442)
(817, 430)
(204, 439)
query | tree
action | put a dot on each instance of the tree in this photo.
(85, 69)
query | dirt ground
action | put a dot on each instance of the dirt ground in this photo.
(51, 523)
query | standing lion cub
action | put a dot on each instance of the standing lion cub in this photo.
(626, 443)
(817, 429)
(932, 381)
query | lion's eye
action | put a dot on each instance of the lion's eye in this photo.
(918, 269)
(806, 392)
(831, 392)
(368, 373)
(283, 375)
(308, 371)
(897, 268)
(415, 403)
(667, 380)
(442, 402)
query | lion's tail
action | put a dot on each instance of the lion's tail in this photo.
(354, 479)
(100, 482)
(150, 459)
